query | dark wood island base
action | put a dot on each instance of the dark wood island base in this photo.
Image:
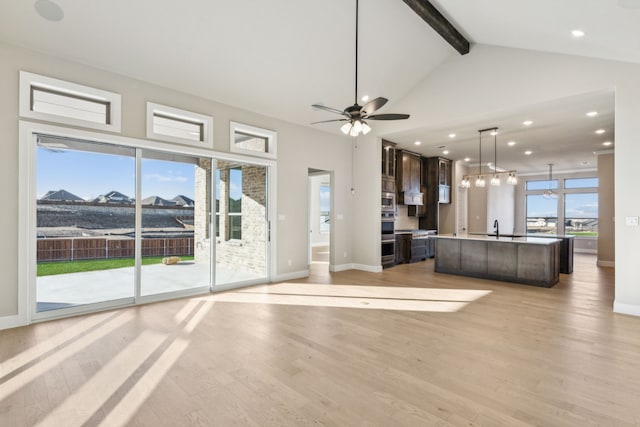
(526, 260)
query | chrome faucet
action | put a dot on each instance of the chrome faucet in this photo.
(497, 228)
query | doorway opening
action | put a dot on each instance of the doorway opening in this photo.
(320, 214)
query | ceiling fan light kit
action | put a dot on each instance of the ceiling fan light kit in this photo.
(356, 115)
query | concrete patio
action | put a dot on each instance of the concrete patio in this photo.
(65, 290)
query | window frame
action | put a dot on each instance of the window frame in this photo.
(113, 101)
(270, 136)
(177, 114)
(234, 214)
(561, 191)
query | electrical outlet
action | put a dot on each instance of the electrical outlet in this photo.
(345, 254)
(290, 263)
(632, 221)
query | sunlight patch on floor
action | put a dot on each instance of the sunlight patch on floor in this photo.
(120, 387)
(31, 372)
(347, 296)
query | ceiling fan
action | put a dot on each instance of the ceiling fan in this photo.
(356, 115)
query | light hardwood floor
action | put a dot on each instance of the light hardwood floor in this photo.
(514, 355)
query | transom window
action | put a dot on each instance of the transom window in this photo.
(180, 126)
(251, 140)
(59, 101)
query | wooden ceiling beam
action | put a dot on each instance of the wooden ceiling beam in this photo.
(440, 24)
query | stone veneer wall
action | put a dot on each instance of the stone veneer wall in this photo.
(247, 253)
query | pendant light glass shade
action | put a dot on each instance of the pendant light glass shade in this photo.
(480, 182)
(346, 128)
(495, 180)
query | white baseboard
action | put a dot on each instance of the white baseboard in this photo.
(633, 310)
(369, 268)
(585, 251)
(606, 263)
(291, 276)
(363, 267)
(8, 322)
(340, 267)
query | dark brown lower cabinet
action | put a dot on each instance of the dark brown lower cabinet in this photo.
(410, 249)
(403, 248)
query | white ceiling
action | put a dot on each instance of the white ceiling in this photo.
(278, 57)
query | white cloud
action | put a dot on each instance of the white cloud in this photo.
(165, 178)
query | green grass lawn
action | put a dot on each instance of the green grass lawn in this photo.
(584, 233)
(63, 267)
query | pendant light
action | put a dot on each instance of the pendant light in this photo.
(495, 179)
(480, 183)
(548, 193)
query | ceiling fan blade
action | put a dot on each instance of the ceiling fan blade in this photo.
(388, 117)
(329, 109)
(374, 104)
(327, 121)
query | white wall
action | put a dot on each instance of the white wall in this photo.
(299, 148)
(491, 79)
(501, 207)
(606, 211)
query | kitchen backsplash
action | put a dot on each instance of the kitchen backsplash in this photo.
(403, 220)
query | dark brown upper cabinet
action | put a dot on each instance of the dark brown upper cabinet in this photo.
(388, 167)
(408, 174)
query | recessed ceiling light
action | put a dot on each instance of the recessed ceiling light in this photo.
(365, 98)
(607, 143)
(511, 143)
(49, 10)
(527, 123)
(417, 142)
(494, 133)
(467, 159)
(445, 152)
(528, 152)
(592, 113)
(577, 33)
(600, 131)
(452, 135)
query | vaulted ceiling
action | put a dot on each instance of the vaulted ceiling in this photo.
(277, 57)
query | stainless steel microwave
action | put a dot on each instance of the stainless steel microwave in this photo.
(388, 202)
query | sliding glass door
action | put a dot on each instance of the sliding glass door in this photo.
(85, 223)
(176, 223)
(242, 232)
(120, 225)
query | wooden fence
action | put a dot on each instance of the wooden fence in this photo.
(100, 248)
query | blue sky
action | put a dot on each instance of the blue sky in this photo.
(88, 175)
(579, 205)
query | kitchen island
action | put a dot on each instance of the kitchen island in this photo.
(566, 246)
(528, 260)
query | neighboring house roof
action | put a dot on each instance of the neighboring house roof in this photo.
(181, 200)
(61, 195)
(113, 197)
(156, 201)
